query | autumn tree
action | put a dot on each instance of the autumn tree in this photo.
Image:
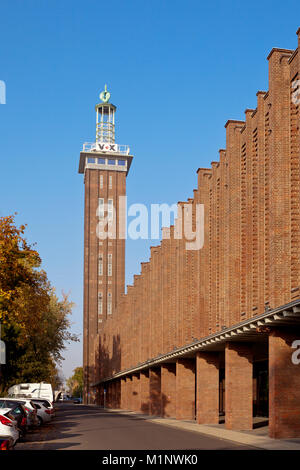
(35, 323)
(75, 382)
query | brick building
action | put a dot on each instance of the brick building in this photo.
(208, 333)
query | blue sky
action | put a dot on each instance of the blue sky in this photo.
(177, 71)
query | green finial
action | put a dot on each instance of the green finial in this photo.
(105, 95)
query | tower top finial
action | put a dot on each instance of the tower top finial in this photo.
(105, 95)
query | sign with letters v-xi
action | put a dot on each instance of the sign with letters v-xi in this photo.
(106, 147)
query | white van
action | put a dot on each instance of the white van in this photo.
(34, 390)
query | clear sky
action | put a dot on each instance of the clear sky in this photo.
(176, 70)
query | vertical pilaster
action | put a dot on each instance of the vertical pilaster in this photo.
(284, 385)
(129, 382)
(136, 392)
(279, 174)
(168, 390)
(145, 392)
(207, 369)
(155, 391)
(185, 389)
(123, 394)
(238, 386)
(233, 133)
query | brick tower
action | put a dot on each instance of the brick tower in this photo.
(105, 166)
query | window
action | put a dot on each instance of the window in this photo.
(100, 265)
(110, 209)
(121, 162)
(101, 181)
(110, 182)
(111, 162)
(101, 161)
(109, 303)
(91, 160)
(101, 208)
(109, 264)
(100, 303)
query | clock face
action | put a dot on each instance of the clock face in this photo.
(104, 95)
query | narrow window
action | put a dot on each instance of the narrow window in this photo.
(101, 181)
(100, 303)
(110, 209)
(109, 264)
(101, 208)
(100, 265)
(110, 182)
(109, 303)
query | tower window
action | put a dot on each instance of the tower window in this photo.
(110, 182)
(91, 160)
(109, 303)
(110, 209)
(101, 181)
(101, 208)
(101, 161)
(111, 162)
(100, 303)
(100, 265)
(121, 162)
(109, 264)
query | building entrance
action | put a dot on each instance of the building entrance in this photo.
(260, 389)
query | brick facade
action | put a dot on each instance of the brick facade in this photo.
(250, 262)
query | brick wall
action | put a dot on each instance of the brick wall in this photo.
(251, 253)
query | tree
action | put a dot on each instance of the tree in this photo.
(57, 379)
(75, 382)
(35, 323)
(17, 263)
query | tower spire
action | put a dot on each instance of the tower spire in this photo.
(104, 95)
(105, 119)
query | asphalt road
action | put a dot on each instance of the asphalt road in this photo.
(80, 427)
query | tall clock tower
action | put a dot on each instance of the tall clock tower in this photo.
(105, 165)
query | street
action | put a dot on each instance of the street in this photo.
(80, 427)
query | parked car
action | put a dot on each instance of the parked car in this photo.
(28, 405)
(77, 400)
(9, 432)
(43, 413)
(6, 443)
(17, 412)
(47, 404)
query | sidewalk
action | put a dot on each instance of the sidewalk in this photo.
(256, 438)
